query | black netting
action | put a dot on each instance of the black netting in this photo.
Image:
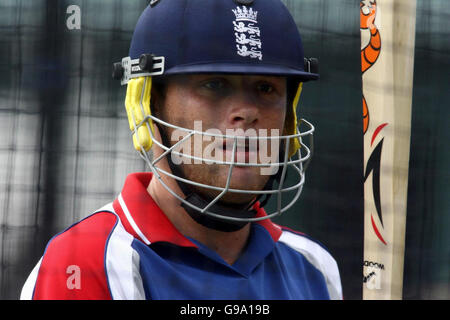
(65, 146)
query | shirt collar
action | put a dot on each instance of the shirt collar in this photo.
(142, 217)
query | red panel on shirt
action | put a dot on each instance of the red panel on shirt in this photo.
(73, 265)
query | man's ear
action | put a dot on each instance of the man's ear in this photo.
(155, 102)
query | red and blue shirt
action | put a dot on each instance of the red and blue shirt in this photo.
(130, 250)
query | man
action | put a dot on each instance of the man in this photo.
(212, 90)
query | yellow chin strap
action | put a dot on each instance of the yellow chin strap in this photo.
(291, 124)
(137, 104)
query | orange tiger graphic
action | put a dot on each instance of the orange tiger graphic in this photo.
(370, 53)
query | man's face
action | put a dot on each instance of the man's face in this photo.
(228, 104)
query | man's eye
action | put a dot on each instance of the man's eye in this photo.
(265, 88)
(214, 85)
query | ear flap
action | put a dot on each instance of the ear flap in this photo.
(137, 105)
(291, 123)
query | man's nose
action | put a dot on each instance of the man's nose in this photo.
(244, 112)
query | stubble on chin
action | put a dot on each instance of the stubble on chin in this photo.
(216, 175)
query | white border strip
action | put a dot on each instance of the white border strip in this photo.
(319, 258)
(28, 287)
(131, 220)
(122, 266)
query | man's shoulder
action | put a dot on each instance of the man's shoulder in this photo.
(93, 228)
(87, 237)
(313, 250)
(301, 241)
(317, 255)
(74, 263)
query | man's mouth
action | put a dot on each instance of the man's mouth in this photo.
(246, 150)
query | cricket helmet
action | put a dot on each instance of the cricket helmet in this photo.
(222, 37)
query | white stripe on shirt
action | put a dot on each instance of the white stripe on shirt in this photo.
(122, 266)
(131, 220)
(28, 287)
(319, 258)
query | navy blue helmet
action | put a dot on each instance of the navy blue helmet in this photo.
(222, 36)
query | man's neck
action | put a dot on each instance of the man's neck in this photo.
(228, 245)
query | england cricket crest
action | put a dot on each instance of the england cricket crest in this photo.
(248, 42)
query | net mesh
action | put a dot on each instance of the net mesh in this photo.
(65, 146)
